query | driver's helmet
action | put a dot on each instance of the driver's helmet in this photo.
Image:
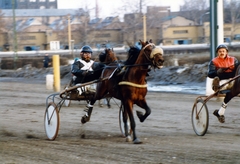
(86, 49)
(221, 46)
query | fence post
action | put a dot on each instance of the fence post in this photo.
(56, 73)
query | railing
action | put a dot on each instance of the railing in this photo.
(118, 50)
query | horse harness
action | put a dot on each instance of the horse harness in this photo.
(149, 58)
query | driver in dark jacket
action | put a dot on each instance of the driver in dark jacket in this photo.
(85, 69)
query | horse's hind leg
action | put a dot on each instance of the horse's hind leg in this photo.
(108, 102)
(143, 104)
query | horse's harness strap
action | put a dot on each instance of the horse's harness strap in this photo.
(132, 84)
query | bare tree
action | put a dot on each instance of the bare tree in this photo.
(2, 23)
(232, 14)
(133, 6)
(83, 28)
(133, 19)
(194, 9)
(3, 32)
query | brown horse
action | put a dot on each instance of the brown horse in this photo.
(107, 57)
(131, 87)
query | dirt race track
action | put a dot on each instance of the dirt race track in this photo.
(167, 134)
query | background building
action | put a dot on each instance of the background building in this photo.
(29, 4)
(38, 27)
(7, 4)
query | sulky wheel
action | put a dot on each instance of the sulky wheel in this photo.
(51, 121)
(121, 123)
(200, 117)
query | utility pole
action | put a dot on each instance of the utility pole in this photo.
(220, 22)
(69, 35)
(213, 28)
(216, 25)
(97, 10)
(144, 28)
(15, 44)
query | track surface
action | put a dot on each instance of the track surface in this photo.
(167, 133)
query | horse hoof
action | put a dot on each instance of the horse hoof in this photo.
(140, 116)
(128, 139)
(84, 119)
(137, 141)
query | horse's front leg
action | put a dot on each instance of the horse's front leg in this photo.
(128, 107)
(89, 109)
(143, 104)
(126, 125)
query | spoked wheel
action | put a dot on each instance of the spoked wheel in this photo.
(200, 117)
(51, 121)
(121, 123)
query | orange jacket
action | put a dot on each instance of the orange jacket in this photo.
(228, 62)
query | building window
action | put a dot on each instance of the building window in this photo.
(28, 37)
(102, 35)
(22, 0)
(227, 29)
(42, 0)
(168, 42)
(32, 0)
(52, 0)
(180, 32)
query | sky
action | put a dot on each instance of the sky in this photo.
(107, 7)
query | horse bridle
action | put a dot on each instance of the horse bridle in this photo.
(151, 56)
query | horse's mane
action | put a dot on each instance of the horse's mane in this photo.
(133, 53)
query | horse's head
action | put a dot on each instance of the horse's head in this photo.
(108, 56)
(111, 56)
(153, 53)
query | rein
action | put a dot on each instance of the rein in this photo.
(133, 65)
